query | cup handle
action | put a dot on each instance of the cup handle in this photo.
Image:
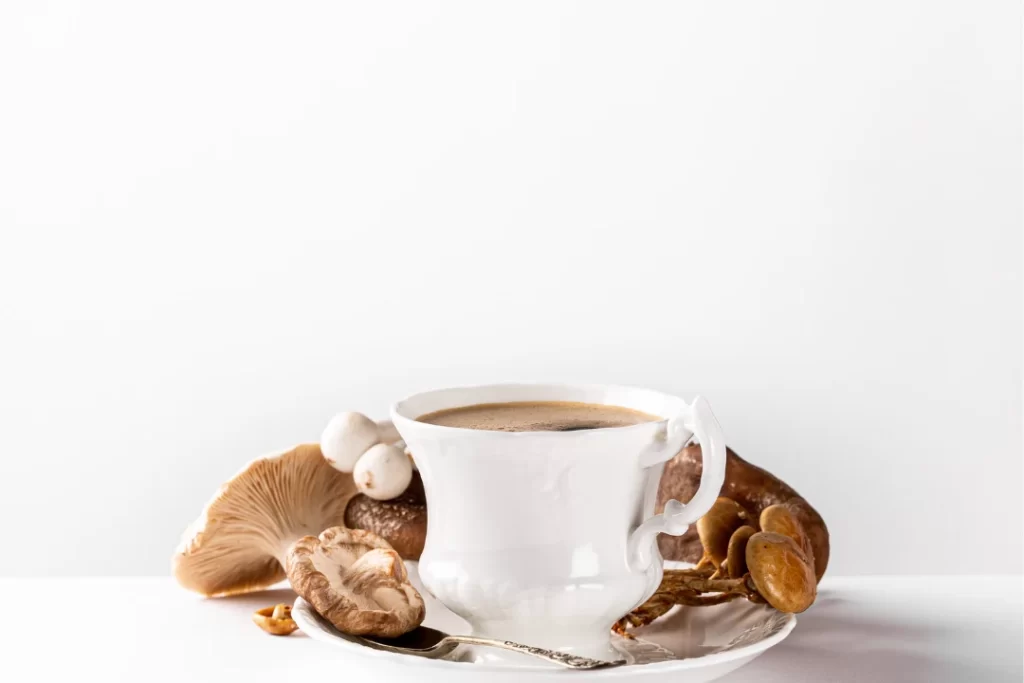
(697, 420)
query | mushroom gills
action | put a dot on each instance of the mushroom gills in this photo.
(344, 569)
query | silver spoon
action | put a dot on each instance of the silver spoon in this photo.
(431, 643)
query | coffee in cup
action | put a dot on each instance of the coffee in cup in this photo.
(537, 416)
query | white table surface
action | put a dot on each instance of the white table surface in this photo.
(933, 629)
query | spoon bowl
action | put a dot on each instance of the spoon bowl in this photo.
(422, 641)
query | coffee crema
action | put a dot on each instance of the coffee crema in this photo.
(537, 416)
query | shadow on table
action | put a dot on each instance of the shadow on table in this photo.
(247, 603)
(259, 599)
(830, 646)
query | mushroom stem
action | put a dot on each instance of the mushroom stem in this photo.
(694, 600)
(675, 577)
(701, 584)
(281, 552)
(686, 574)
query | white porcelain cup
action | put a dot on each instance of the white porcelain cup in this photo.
(547, 538)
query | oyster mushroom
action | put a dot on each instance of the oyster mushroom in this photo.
(356, 581)
(239, 542)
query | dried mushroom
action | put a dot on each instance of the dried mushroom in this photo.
(356, 581)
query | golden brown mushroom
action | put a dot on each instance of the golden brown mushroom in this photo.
(780, 571)
(716, 527)
(736, 560)
(773, 565)
(356, 581)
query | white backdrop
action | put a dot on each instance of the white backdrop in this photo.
(222, 222)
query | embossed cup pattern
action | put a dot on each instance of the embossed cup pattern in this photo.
(507, 610)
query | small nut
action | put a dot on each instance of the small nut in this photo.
(277, 620)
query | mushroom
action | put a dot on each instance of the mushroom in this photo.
(346, 437)
(387, 432)
(383, 472)
(276, 620)
(736, 560)
(240, 541)
(401, 521)
(717, 526)
(356, 581)
(751, 487)
(781, 572)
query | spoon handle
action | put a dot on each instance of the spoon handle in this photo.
(567, 660)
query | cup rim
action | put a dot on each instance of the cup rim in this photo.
(399, 409)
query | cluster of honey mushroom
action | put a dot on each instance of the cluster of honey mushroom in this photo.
(761, 541)
(353, 507)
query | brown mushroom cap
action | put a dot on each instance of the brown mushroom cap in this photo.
(402, 522)
(781, 572)
(717, 525)
(782, 519)
(736, 560)
(356, 581)
(239, 542)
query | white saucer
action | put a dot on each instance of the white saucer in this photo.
(687, 645)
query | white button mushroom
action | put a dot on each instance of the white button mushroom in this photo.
(388, 433)
(346, 437)
(383, 472)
